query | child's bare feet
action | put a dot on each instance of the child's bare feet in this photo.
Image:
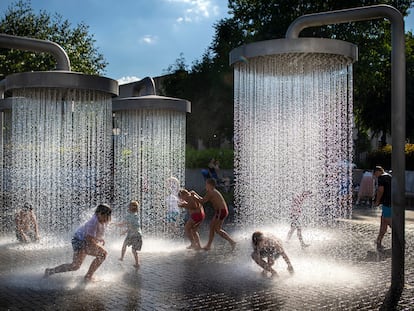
(137, 266)
(121, 259)
(89, 278)
(274, 274)
(206, 248)
(233, 245)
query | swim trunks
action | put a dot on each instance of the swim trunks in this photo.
(221, 214)
(198, 217)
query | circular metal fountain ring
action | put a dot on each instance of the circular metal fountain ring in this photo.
(61, 79)
(151, 102)
(299, 45)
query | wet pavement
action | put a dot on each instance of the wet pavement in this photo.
(340, 270)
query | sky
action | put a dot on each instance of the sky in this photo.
(142, 38)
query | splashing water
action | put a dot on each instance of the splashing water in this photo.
(57, 155)
(293, 133)
(148, 150)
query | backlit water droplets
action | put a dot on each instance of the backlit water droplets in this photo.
(149, 149)
(58, 154)
(293, 127)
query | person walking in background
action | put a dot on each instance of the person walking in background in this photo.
(221, 212)
(133, 232)
(269, 248)
(214, 168)
(295, 216)
(86, 241)
(197, 215)
(383, 198)
(27, 228)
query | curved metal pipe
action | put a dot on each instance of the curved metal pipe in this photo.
(398, 89)
(37, 45)
(345, 16)
(145, 86)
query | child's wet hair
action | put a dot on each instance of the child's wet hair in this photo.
(133, 206)
(104, 209)
(256, 237)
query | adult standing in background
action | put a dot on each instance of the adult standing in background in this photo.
(383, 198)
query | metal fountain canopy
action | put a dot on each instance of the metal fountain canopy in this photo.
(295, 45)
(398, 102)
(142, 95)
(62, 77)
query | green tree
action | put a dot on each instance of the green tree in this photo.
(21, 20)
(210, 87)
(208, 84)
(263, 20)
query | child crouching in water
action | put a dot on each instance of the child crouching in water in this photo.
(133, 232)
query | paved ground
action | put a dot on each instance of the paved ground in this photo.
(339, 271)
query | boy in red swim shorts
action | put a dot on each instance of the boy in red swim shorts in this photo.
(197, 215)
(221, 212)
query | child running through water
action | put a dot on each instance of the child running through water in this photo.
(221, 212)
(295, 216)
(133, 232)
(86, 242)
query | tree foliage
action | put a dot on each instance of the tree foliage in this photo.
(21, 20)
(257, 20)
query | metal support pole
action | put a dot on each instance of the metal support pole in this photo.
(398, 86)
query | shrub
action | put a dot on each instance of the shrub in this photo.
(382, 156)
(200, 158)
